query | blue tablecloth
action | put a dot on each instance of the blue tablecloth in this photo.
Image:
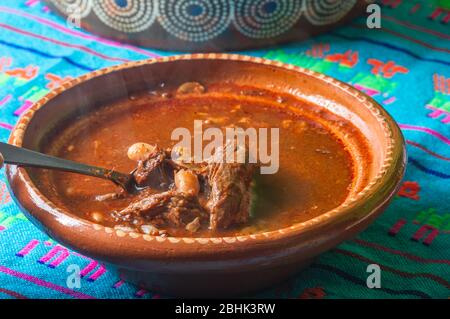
(405, 66)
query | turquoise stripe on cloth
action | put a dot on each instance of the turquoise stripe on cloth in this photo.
(405, 66)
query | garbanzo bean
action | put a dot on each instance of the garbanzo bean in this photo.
(97, 217)
(139, 151)
(191, 87)
(194, 225)
(186, 182)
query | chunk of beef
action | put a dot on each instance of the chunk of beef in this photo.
(229, 195)
(169, 208)
(188, 195)
(155, 171)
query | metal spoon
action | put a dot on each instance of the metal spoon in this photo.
(14, 155)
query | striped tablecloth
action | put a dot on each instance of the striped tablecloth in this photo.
(405, 66)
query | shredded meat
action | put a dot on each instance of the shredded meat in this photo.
(229, 199)
(171, 203)
(155, 171)
(220, 196)
(168, 208)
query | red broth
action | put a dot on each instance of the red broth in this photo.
(315, 171)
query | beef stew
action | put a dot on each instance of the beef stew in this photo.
(315, 175)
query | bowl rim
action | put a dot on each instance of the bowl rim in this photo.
(392, 166)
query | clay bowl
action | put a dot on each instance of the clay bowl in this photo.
(222, 265)
(208, 25)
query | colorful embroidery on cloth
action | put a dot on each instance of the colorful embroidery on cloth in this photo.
(405, 66)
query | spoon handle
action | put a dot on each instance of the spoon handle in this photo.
(24, 157)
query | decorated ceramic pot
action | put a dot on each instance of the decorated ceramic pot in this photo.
(208, 25)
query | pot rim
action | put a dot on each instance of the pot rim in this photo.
(385, 182)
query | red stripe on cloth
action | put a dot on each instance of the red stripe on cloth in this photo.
(416, 27)
(427, 130)
(44, 283)
(404, 274)
(6, 125)
(423, 148)
(401, 253)
(12, 293)
(403, 36)
(76, 33)
(23, 108)
(74, 46)
(5, 99)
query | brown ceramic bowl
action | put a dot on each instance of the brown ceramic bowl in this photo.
(221, 265)
(208, 25)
